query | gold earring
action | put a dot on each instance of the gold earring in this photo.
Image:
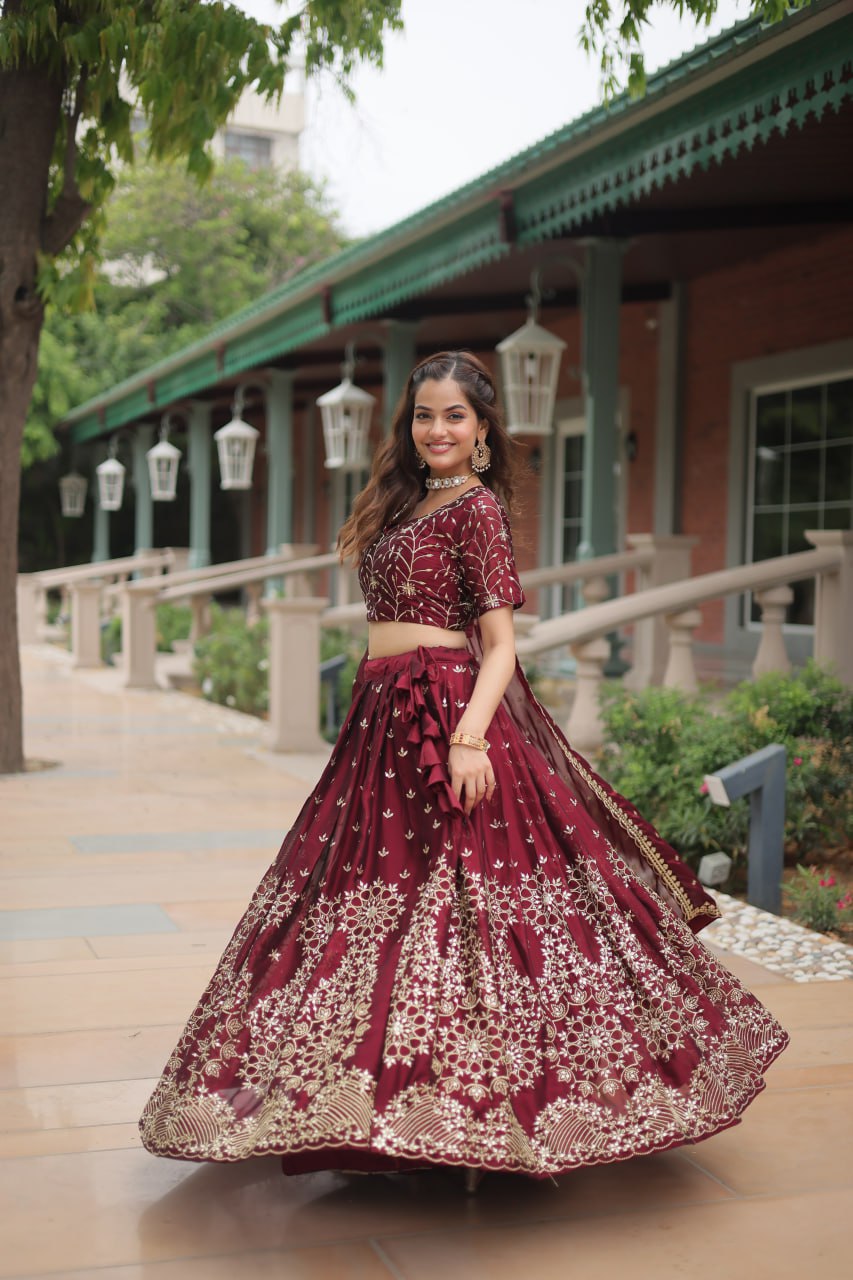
(421, 460)
(481, 458)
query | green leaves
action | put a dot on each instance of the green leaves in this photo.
(613, 30)
(661, 744)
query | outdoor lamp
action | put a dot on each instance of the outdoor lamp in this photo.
(530, 365)
(235, 444)
(346, 413)
(110, 475)
(163, 462)
(72, 494)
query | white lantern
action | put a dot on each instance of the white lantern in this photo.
(235, 444)
(530, 363)
(72, 494)
(346, 411)
(110, 475)
(163, 462)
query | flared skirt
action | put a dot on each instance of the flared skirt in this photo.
(520, 989)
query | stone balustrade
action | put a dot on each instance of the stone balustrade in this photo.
(677, 605)
(84, 590)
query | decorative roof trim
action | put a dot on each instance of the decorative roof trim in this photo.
(603, 159)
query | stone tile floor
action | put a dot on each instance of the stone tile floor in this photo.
(122, 873)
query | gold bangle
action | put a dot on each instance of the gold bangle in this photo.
(458, 739)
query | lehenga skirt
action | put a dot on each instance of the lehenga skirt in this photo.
(518, 990)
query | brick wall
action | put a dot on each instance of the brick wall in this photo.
(784, 300)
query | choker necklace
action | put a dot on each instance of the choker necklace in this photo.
(447, 482)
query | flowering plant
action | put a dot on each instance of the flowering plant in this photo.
(815, 895)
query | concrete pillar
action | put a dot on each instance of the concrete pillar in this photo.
(279, 460)
(834, 604)
(671, 561)
(139, 633)
(772, 654)
(199, 467)
(143, 440)
(680, 669)
(308, 479)
(585, 729)
(28, 589)
(101, 542)
(86, 624)
(601, 298)
(671, 318)
(399, 358)
(294, 657)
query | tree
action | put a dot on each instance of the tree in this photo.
(178, 258)
(71, 73)
(612, 30)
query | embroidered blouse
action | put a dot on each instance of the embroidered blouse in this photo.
(445, 568)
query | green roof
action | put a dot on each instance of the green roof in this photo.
(733, 90)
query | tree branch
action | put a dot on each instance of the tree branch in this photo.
(71, 210)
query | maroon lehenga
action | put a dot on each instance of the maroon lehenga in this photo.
(521, 989)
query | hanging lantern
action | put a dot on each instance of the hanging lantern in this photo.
(72, 494)
(110, 475)
(235, 444)
(346, 412)
(163, 461)
(530, 364)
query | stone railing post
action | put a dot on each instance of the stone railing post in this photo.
(595, 590)
(175, 560)
(139, 633)
(86, 624)
(294, 658)
(772, 654)
(834, 604)
(253, 602)
(28, 590)
(585, 730)
(200, 625)
(680, 670)
(671, 562)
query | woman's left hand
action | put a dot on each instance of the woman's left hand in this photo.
(471, 774)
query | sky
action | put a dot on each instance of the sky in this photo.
(466, 85)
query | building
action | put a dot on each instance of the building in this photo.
(695, 251)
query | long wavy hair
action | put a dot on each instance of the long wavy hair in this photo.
(396, 481)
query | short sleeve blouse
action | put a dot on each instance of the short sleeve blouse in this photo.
(443, 569)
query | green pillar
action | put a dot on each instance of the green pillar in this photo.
(143, 440)
(101, 543)
(199, 466)
(398, 361)
(601, 295)
(279, 460)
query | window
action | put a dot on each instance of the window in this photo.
(801, 474)
(253, 148)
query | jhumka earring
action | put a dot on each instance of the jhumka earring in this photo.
(481, 458)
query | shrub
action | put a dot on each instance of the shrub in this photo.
(173, 623)
(817, 904)
(661, 743)
(231, 663)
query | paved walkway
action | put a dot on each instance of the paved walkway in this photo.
(123, 871)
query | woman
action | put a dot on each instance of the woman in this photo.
(469, 950)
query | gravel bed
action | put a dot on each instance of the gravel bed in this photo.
(778, 944)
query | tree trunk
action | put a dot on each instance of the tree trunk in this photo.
(30, 103)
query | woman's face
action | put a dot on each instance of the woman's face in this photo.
(445, 427)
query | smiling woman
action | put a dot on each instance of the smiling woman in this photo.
(469, 951)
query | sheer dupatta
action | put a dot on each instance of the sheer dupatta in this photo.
(649, 856)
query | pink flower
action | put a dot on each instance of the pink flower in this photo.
(798, 759)
(703, 790)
